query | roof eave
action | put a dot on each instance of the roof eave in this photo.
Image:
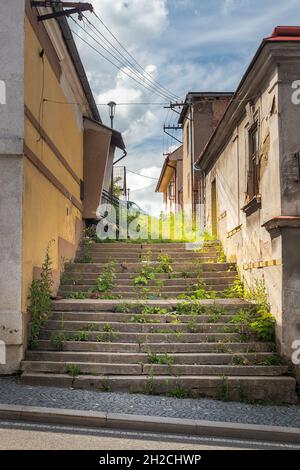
(74, 54)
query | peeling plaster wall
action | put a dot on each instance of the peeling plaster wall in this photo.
(252, 242)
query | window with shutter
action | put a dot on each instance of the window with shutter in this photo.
(253, 171)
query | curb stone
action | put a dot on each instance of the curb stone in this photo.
(150, 424)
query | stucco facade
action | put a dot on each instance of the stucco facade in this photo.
(170, 182)
(46, 193)
(200, 116)
(260, 230)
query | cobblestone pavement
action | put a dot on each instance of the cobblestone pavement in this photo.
(13, 392)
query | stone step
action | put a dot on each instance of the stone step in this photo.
(44, 345)
(163, 337)
(144, 358)
(88, 317)
(219, 370)
(129, 289)
(97, 267)
(95, 259)
(119, 327)
(155, 246)
(130, 296)
(213, 275)
(151, 253)
(85, 368)
(91, 305)
(267, 389)
(129, 281)
(55, 367)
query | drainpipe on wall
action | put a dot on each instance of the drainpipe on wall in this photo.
(191, 149)
(202, 194)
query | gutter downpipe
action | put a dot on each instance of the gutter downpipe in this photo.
(191, 120)
(197, 167)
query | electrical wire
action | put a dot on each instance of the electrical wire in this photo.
(131, 56)
(131, 64)
(142, 176)
(103, 104)
(138, 79)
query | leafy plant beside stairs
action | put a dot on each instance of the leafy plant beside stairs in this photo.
(257, 318)
(40, 299)
(105, 282)
(164, 264)
(86, 252)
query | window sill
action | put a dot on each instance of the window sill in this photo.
(252, 206)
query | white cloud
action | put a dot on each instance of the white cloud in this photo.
(183, 51)
(135, 20)
(229, 5)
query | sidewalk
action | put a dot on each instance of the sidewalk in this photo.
(14, 393)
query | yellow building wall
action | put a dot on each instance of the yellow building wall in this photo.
(48, 213)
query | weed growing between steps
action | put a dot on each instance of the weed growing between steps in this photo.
(223, 391)
(40, 300)
(142, 318)
(79, 337)
(105, 282)
(73, 370)
(57, 340)
(257, 318)
(160, 359)
(149, 274)
(108, 334)
(86, 252)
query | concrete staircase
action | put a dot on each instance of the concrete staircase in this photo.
(113, 345)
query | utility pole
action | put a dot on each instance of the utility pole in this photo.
(58, 6)
(112, 112)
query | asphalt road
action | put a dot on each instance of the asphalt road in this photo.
(26, 436)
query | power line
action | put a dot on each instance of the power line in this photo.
(143, 75)
(142, 176)
(103, 104)
(110, 61)
(138, 79)
(131, 56)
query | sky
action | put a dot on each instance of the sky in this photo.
(185, 45)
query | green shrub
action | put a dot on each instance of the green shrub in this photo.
(164, 264)
(179, 392)
(140, 281)
(264, 326)
(105, 282)
(154, 311)
(40, 300)
(162, 359)
(124, 308)
(57, 340)
(236, 290)
(73, 370)
(79, 337)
